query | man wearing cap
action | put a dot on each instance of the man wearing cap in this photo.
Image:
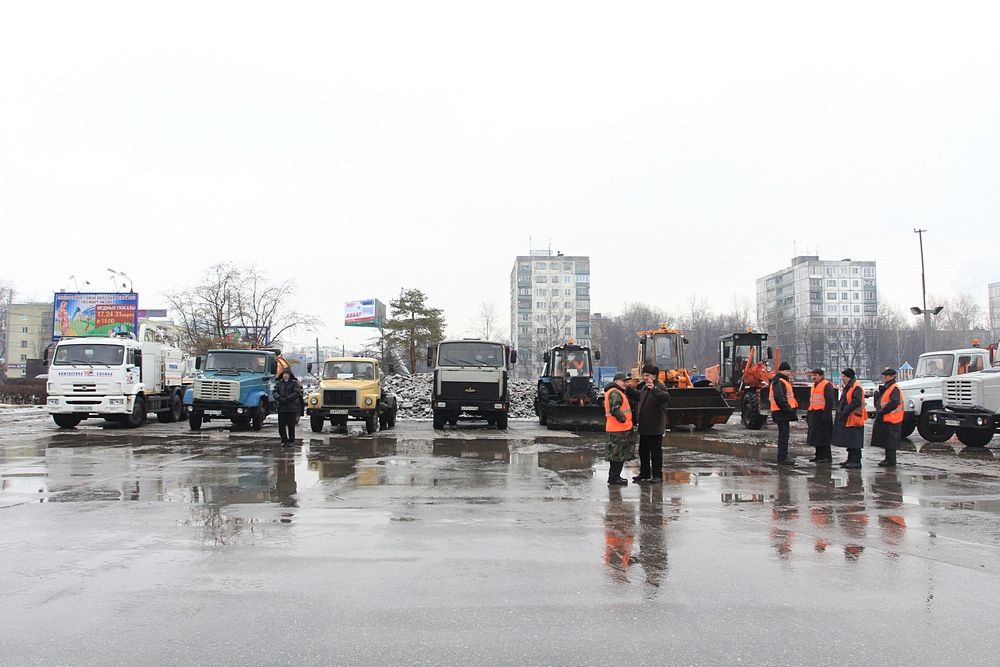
(651, 420)
(849, 422)
(822, 400)
(888, 426)
(618, 427)
(783, 406)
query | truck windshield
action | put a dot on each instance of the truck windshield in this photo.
(935, 365)
(236, 361)
(349, 370)
(471, 354)
(97, 353)
(574, 363)
(664, 352)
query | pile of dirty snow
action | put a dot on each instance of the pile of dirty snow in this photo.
(413, 394)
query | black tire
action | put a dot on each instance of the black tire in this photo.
(175, 413)
(543, 415)
(371, 422)
(138, 415)
(194, 421)
(438, 420)
(67, 421)
(932, 432)
(257, 417)
(453, 421)
(502, 422)
(392, 418)
(909, 425)
(316, 423)
(974, 437)
(751, 417)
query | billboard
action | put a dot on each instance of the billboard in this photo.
(94, 313)
(364, 313)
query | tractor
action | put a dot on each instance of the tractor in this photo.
(566, 396)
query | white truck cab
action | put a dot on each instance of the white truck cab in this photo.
(923, 393)
(120, 378)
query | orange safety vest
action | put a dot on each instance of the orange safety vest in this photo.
(793, 403)
(612, 425)
(896, 416)
(817, 396)
(860, 416)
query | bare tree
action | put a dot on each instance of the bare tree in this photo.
(488, 324)
(263, 310)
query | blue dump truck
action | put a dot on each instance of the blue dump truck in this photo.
(234, 385)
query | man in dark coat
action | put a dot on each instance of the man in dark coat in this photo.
(823, 399)
(849, 424)
(287, 396)
(887, 430)
(652, 422)
(783, 410)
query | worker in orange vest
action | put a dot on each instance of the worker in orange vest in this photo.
(783, 406)
(822, 401)
(888, 426)
(849, 422)
(620, 445)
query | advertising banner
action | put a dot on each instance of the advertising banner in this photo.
(94, 313)
(364, 313)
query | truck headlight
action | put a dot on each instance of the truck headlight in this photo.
(442, 404)
(313, 401)
(116, 401)
(910, 404)
(369, 400)
(498, 406)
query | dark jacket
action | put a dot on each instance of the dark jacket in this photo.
(887, 435)
(287, 395)
(785, 411)
(853, 437)
(821, 421)
(652, 420)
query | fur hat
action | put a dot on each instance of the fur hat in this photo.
(651, 369)
(849, 372)
(784, 366)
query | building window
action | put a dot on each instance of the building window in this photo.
(857, 309)
(843, 283)
(854, 270)
(567, 292)
(24, 343)
(524, 330)
(524, 291)
(845, 308)
(540, 330)
(845, 320)
(525, 317)
(831, 283)
(843, 296)
(24, 357)
(567, 266)
(540, 318)
(869, 295)
(24, 329)
(856, 296)
(583, 277)
(815, 282)
(568, 304)
(855, 284)
(568, 280)
(541, 266)
(567, 332)
(831, 296)
(540, 279)
(831, 320)
(831, 309)
(540, 305)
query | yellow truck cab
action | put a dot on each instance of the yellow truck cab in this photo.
(350, 388)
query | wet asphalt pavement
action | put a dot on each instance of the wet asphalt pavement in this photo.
(473, 546)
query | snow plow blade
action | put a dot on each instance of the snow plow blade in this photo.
(575, 417)
(700, 407)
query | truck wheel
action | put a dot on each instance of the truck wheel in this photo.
(257, 417)
(909, 425)
(502, 422)
(929, 431)
(371, 422)
(174, 414)
(67, 421)
(974, 437)
(392, 418)
(194, 420)
(138, 416)
(316, 423)
(438, 420)
(543, 415)
(453, 421)
(751, 417)
(383, 422)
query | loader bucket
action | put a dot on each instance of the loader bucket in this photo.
(700, 407)
(575, 417)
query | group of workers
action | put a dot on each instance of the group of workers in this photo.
(831, 421)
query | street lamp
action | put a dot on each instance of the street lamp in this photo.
(925, 311)
(123, 275)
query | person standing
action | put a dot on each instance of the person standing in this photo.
(783, 406)
(287, 396)
(618, 427)
(849, 425)
(653, 398)
(822, 400)
(887, 430)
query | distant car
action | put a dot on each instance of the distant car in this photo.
(869, 388)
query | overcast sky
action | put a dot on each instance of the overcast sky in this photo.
(359, 147)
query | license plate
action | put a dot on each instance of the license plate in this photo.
(952, 422)
(81, 408)
(338, 412)
(472, 408)
(213, 413)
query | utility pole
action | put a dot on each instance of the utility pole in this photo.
(926, 312)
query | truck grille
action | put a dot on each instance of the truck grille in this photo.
(347, 397)
(962, 393)
(216, 390)
(470, 390)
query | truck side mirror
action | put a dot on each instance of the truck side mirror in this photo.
(197, 363)
(597, 355)
(684, 338)
(273, 366)
(545, 357)
(770, 353)
(309, 368)
(513, 356)
(430, 355)
(725, 353)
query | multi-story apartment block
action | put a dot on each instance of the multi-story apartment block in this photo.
(994, 289)
(821, 313)
(549, 302)
(28, 333)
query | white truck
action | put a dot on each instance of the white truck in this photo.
(972, 405)
(120, 378)
(922, 394)
(470, 381)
